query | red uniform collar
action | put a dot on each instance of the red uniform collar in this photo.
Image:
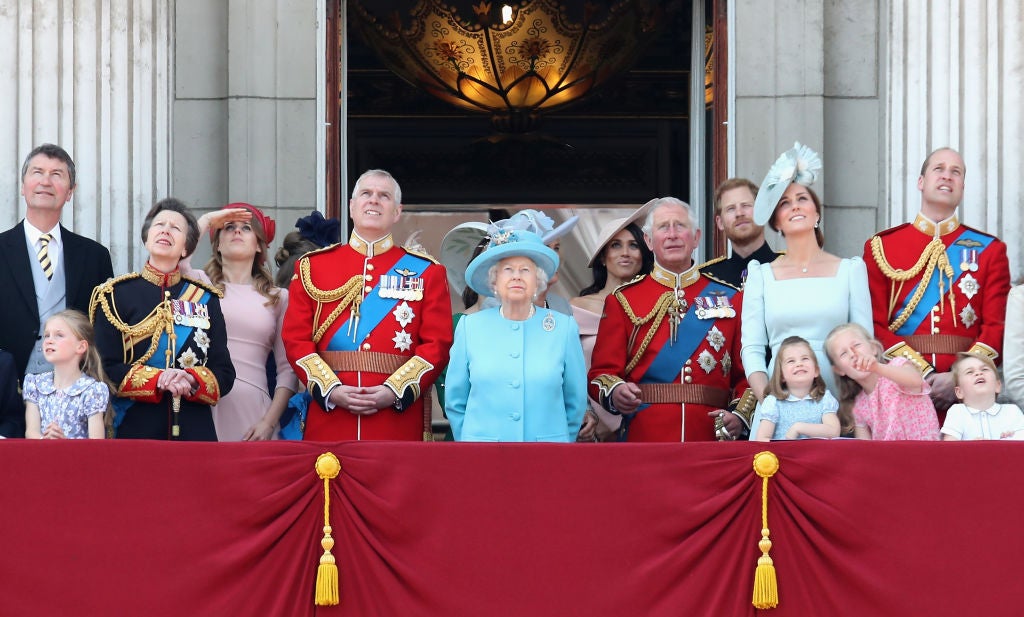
(672, 280)
(370, 249)
(161, 279)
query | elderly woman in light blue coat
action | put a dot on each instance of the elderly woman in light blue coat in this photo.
(516, 372)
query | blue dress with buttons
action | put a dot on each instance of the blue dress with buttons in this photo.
(516, 380)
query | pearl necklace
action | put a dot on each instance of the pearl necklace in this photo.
(501, 311)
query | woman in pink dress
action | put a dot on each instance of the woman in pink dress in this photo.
(253, 310)
(620, 255)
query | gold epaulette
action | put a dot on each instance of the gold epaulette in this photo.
(902, 350)
(420, 253)
(714, 278)
(207, 286)
(105, 289)
(636, 279)
(712, 261)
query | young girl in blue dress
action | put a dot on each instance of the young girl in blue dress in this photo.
(797, 404)
(72, 402)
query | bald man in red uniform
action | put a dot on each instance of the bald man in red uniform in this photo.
(938, 287)
(368, 326)
(667, 354)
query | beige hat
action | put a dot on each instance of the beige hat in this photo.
(612, 227)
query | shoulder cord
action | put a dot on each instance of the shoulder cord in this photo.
(656, 316)
(934, 256)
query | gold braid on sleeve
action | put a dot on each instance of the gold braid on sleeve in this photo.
(934, 256)
(656, 316)
(349, 292)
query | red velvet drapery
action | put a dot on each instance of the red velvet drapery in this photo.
(859, 528)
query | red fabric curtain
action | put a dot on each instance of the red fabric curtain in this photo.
(859, 528)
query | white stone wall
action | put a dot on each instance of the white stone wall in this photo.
(956, 78)
(94, 78)
(808, 71)
(245, 107)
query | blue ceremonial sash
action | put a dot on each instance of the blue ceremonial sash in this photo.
(691, 331)
(159, 358)
(668, 364)
(931, 295)
(374, 308)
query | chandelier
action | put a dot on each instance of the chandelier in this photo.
(512, 62)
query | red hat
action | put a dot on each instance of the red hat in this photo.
(266, 222)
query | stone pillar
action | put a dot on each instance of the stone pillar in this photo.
(93, 77)
(956, 78)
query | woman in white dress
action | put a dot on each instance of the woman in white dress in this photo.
(807, 291)
(620, 255)
(253, 309)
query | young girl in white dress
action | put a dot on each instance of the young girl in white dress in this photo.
(73, 401)
(797, 404)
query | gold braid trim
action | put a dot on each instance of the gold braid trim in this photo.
(656, 316)
(159, 320)
(348, 293)
(933, 256)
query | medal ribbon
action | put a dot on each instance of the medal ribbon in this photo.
(374, 308)
(923, 310)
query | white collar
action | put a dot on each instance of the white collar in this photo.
(32, 234)
(993, 410)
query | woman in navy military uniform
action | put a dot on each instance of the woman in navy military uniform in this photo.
(162, 337)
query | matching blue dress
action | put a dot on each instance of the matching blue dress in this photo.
(516, 380)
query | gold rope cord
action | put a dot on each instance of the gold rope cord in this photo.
(158, 320)
(348, 293)
(934, 256)
(657, 314)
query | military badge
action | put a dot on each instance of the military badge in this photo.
(726, 364)
(188, 359)
(968, 285)
(706, 361)
(202, 340)
(549, 322)
(403, 342)
(968, 316)
(404, 314)
(715, 338)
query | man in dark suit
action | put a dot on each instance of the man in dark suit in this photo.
(36, 281)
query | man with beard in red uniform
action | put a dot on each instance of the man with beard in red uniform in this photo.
(368, 326)
(667, 355)
(937, 286)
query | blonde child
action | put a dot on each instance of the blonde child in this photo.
(879, 401)
(977, 415)
(73, 401)
(797, 404)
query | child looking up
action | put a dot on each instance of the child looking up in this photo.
(797, 404)
(879, 401)
(72, 401)
(977, 415)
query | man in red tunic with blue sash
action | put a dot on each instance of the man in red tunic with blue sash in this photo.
(368, 326)
(667, 355)
(938, 287)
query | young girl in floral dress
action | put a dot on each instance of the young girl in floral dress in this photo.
(72, 402)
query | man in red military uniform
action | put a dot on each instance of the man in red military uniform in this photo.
(938, 287)
(369, 325)
(667, 355)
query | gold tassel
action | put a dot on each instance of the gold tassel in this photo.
(327, 467)
(766, 589)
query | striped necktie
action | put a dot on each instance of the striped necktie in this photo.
(44, 255)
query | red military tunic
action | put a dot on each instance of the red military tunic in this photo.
(702, 365)
(962, 303)
(366, 314)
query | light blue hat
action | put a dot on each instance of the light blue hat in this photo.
(543, 225)
(508, 239)
(799, 164)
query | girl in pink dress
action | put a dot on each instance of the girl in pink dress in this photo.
(253, 310)
(881, 401)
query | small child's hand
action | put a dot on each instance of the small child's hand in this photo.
(54, 431)
(1007, 434)
(865, 364)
